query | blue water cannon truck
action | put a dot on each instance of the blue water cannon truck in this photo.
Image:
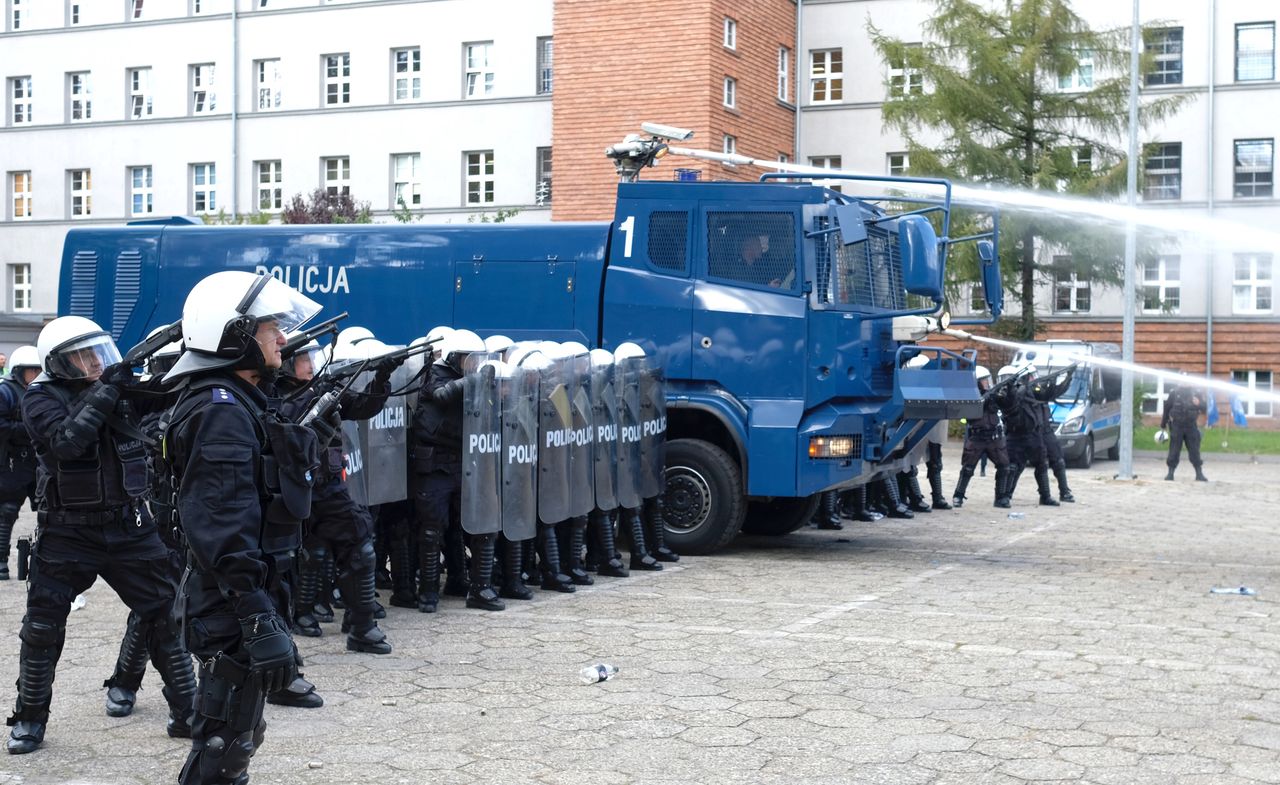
(783, 312)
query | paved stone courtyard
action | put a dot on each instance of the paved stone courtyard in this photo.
(1077, 644)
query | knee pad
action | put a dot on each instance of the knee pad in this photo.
(966, 471)
(40, 634)
(9, 511)
(363, 556)
(223, 758)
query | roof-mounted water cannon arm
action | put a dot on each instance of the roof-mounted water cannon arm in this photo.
(915, 327)
(635, 152)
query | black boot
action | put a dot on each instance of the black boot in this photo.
(131, 666)
(513, 586)
(382, 578)
(1169, 476)
(300, 694)
(828, 514)
(962, 485)
(482, 595)
(933, 470)
(404, 592)
(889, 487)
(571, 535)
(428, 570)
(1042, 485)
(8, 517)
(856, 508)
(306, 592)
(1200, 476)
(655, 530)
(1011, 478)
(359, 587)
(641, 559)
(600, 526)
(41, 648)
(1060, 473)
(913, 496)
(1003, 494)
(552, 577)
(173, 663)
(328, 574)
(455, 563)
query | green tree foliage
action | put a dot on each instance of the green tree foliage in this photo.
(990, 109)
(322, 207)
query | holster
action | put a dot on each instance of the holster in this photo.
(228, 693)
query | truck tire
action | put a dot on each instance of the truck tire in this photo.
(779, 516)
(704, 505)
(1113, 452)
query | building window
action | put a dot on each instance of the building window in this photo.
(73, 14)
(730, 92)
(899, 163)
(730, 33)
(827, 162)
(1082, 77)
(784, 74)
(407, 79)
(337, 79)
(81, 191)
(135, 7)
(730, 146)
(977, 299)
(826, 76)
(15, 16)
(1252, 285)
(479, 177)
(1163, 172)
(196, 6)
(1161, 285)
(337, 175)
(139, 93)
(1153, 402)
(783, 158)
(1255, 159)
(1070, 290)
(1254, 381)
(546, 49)
(1256, 52)
(1165, 47)
(542, 178)
(140, 191)
(406, 180)
(479, 74)
(905, 79)
(20, 186)
(20, 287)
(80, 96)
(270, 188)
(204, 191)
(204, 98)
(267, 75)
(20, 100)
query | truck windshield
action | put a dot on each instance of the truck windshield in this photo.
(865, 273)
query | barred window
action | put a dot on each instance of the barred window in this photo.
(1165, 46)
(668, 239)
(1163, 172)
(752, 248)
(1254, 159)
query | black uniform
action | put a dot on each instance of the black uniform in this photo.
(437, 478)
(338, 524)
(17, 465)
(1023, 423)
(1046, 392)
(1182, 410)
(984, 438)
(91, 523)
(244, 486)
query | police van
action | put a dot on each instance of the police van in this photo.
(1086, 417)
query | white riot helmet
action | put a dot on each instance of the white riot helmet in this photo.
(221, 316)
(1006, 372)
(1161, 436)
(497, 343)
(601, 358)
(458, 344)
(73, 347)
(516, 353)
(23, 358)
(348, 338)
(983, 374)
(308, 361)
(626, 351)
(574, 347)
(438, 334)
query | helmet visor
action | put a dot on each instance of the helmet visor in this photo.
(288, 308)
(83, 358)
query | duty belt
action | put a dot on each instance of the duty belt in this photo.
(91, 517)
(984, 434)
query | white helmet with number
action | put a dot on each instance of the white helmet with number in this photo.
(627, 350)
(73, 347)
(22, 358)
(221, 316)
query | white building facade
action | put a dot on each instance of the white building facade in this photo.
(142, 109)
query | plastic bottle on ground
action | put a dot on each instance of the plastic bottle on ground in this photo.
(593, 674)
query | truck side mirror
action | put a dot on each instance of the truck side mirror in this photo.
(992, 286)
(918, 246)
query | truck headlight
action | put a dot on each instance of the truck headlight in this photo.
(831, 447)
(1074, 425)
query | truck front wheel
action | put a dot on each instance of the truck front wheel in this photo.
(704, 505)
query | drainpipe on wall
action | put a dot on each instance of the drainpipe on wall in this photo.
(1208, 319)
(797, 80)
(235, 107)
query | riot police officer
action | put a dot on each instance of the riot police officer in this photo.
(1182, 410)
(1046, 391)
(1024, 425)
(91, 522)
(244, 486)
(984, 437)
(17, 457)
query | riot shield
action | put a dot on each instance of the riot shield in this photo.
(604, 411)
(555, 420)
(653, 430)
(481, 445)
(353, 458)
(582, 495)
(385, 447)
(520, 453)
(626, 385)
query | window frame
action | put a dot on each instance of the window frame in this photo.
(1168, 39)
(484, 72)
(138, 81)
(410, 76)
(543, 173)
(208, 189)
(335, 174)
(827, 162)
(546, 65)
(1255, 178)
(784, 74)
(271, 87)
(203, 93)
(80, 198)
(272, 187)
(900, 170)
(1247, 26)
(79, 96)
(1073, 287)
(21, 197)
(412, 184)
(15, 15)
(145, 191)
(1163, 284)
(1076, 81)
(903, 80)
(25, 101)
(486, 182)
(335, 73)
(730, 40)
(1148, 172)
(832, 80)
(1253, 407)
(1159, 396)
(1258, 287)
(730, 97)
(17, 287)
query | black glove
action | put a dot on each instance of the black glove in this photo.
(96, 404)
(326, 429)
(272, 655)
(118, 374)
(388, 365)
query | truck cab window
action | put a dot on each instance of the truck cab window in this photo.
(758, 249)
